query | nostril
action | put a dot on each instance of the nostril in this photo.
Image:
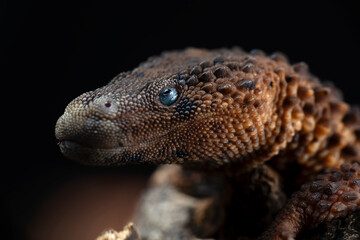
(107, 104)
(104, 107)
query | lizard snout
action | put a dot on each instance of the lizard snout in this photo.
(87, 127)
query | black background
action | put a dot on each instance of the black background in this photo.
(55, 51)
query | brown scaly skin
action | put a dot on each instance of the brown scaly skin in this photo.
(235, 111)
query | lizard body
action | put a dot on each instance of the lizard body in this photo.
(230, 111)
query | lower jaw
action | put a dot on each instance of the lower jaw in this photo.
(88, 155)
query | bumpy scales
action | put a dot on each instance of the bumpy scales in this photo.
(226, 110)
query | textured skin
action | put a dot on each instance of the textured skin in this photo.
(333, 194)
(235, 111)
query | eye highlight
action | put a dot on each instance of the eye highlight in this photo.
(168, 96)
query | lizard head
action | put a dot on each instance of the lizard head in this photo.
(124, 121)
(173, 109)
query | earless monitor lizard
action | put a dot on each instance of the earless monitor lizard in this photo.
(226, 111)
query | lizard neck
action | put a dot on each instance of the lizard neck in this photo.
(318, 130)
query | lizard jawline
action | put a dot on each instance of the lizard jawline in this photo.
(89, 155)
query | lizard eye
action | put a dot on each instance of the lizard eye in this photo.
(168, 96)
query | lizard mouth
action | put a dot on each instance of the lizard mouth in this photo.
(88, 140)
(95, 153)
(84, 153)
(88, 151)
